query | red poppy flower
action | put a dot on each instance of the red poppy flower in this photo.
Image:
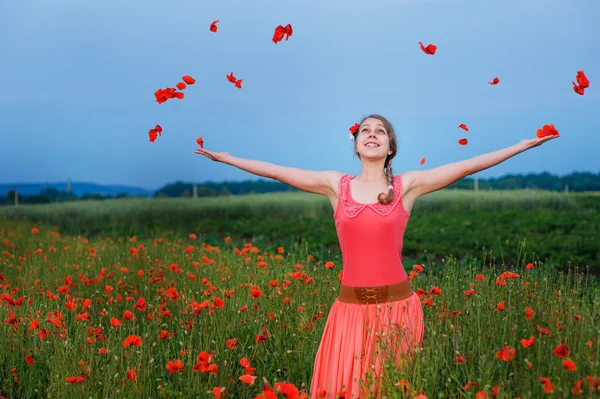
(132, 340)
(462, 141)
(175, 366)
(281, 31)
(429, 50)
(213, 26)
(75, 380)
(495, 81)
(547, 130)
(562, 350)
(463, 127)
(354, 128)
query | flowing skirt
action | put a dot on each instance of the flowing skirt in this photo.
(358, 339)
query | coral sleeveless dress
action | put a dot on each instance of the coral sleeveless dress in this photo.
(359, 338)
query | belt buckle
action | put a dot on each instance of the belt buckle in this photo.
(371, 295)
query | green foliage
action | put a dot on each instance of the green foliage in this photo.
(559, 229)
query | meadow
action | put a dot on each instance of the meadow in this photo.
(557, 229)
(228, 297)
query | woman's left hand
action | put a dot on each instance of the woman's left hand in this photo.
(530, 143)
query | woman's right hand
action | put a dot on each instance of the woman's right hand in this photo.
(215, 156)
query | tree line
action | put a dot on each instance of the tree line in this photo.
(574, 182)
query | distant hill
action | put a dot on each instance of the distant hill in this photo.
(78, 189)
(41, 192)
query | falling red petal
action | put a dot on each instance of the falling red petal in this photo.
(231, 78)
(213, 26)
(429, 50)
(280, 31)
(422, 161)
(463, 127)
(158, 130)
(181, 85)
(238, 83)
(582, 80)
(288, 31)
(495, 81)
(188, 79)
(152, 134)
(462, 141)
(200, 142)
(163, 95)
(578, 89)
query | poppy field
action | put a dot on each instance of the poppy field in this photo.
(167, 314)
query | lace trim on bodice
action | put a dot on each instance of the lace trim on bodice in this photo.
(353, 208)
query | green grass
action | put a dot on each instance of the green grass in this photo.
(557, 228)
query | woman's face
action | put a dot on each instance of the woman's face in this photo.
(372, 139)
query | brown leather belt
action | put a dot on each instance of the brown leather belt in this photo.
(377, 294)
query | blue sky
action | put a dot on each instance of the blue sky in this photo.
(78, 81)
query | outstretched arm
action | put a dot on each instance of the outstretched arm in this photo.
(427, 181)
(312, 181)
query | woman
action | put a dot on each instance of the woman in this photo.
(377, 316)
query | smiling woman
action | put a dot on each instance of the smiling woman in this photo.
(371, 213)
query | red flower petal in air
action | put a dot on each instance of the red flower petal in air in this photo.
(231, 78)
(429, 50)
(200, 142)
(152, 134)
(181, 85)
(236, 82)
(462, 141)
(354, 128)
(547, 130)
(422, 161)
(188, 79)
(179, 95)
(582, 80)
(281, 31)
(288, 31)
(578, 89)
(163, 95)
(158, 130)
(213, 26)
(463, 127)
(495, 81)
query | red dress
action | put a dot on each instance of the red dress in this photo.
(358, 338)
